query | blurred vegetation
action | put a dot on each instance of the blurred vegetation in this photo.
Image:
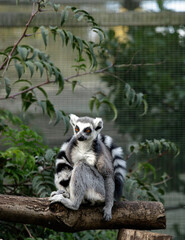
(156, 66)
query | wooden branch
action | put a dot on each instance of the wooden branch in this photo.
(128, 234)
(38, 211)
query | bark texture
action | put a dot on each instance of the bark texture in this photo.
(131, 234)
(38, 211)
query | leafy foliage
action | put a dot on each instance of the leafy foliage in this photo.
(155, 69)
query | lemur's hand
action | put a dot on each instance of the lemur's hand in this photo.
(60, 192)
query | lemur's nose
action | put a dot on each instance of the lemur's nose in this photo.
(81, 138)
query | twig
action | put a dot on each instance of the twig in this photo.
(7, 60)
(138, 64)
(52, 81)
(28, 231)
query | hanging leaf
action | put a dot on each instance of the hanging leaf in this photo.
(7, 86)
(23, 52)
(43, 91)
(91, 103)
(30, 66)
(56, 7)
(20, 69)
(23, 80)
(113, 107)
(44, 33)
(39, 66)
(74, 85)
(64, 16)
(62, 35)
(60, 84)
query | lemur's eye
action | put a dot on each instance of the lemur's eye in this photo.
(77, 129)
(87, 130)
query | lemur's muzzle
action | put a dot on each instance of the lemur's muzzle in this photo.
(81, 138)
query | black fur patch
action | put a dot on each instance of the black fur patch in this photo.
(96, 146)
(61, 155)
(64, 183)
(118, 187)
(97, 128)
(62, 166)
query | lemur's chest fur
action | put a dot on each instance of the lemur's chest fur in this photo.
(83, 152)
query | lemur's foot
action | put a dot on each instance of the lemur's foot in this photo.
(107, 214)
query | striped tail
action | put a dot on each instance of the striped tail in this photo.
(119, 165)
(63, 168)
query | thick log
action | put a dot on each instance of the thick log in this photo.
(38, 211)
(131, 234)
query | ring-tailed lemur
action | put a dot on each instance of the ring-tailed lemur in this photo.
(89, 167)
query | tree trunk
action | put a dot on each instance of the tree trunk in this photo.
(38, 211)
(131, 234)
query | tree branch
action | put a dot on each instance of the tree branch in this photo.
(38, 211)
(7, 60)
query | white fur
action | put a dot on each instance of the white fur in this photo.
(94, 196)
(121, 171)
(64, 146)
(63, 160)
(83, 152)
(117, 152)
(120, 162)
(108, 141)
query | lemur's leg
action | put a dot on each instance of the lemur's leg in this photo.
(109, 197)
(85, 182)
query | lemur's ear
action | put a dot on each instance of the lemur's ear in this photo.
(98, 123)
(73, 119)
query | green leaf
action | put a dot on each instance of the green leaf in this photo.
(49, 155)
(70, 35)
(91, 103)
(20, 69)
(113, 107)
(56, 7)
(64, 16)
(44, 33)
(48, 67)
(35, 29)
(39, 66)
(42, 104)
(43, 91)
(7, 86)
(74, 85)
(62, 35)
(60, 84)
(23, 80)
(30, 66)
(23, 52)
(53, 31)
(80, 44)
(50, 109)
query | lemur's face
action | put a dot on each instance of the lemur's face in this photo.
(85, 128)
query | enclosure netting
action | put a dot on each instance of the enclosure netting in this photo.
(156, 55)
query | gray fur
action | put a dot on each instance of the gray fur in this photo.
(93, 175)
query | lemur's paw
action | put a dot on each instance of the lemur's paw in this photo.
(62, 192)
(107, 214)
(53, 194)
(56, 198)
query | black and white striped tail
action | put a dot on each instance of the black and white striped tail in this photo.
(119, 165)
(63, 168)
